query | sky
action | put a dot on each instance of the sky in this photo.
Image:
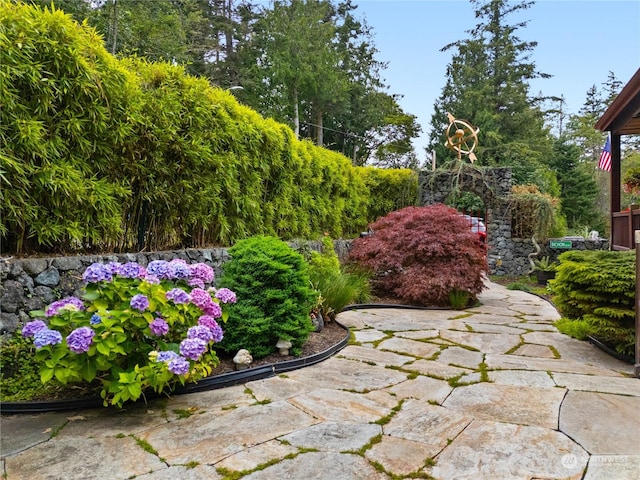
(579, 43)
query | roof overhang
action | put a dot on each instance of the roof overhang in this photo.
(623, 115)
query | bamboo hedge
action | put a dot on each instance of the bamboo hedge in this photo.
(108, 154)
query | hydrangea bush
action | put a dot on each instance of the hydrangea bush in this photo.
(133, 328)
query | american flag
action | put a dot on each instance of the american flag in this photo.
(605, 156)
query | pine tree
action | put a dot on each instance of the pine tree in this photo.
(487, 84)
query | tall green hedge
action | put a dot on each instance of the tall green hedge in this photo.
(599, 287)
(127, 154)
(65, 107)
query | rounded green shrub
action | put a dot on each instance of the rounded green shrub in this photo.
(423, 254)
(275, 296)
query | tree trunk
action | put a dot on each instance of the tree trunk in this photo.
(115, 27)
(296, 114)
(319, 129)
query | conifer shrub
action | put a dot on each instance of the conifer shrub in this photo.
(271, 281)
(422, 254)
(598, 287)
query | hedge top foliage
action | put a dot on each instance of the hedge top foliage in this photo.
(107, 154)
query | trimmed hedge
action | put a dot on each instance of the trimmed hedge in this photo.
(122, 155)
(599, 288)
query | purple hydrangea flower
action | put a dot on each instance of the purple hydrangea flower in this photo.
(226, 296)
(31, 328)
(113, 267)
(152, 279)
(218, 334)
(207, 321)
(179, 366)
(201, 332)
(159, 327)
(80, 339)
(160, 269)
(178, 296)
(212, 308)
(44, 336)
(202, 271)
(95, 319)
(193, 348)
(200, 297)
(97, 272)
(196, 282)
(166, 356)
(180, 269)
(68, 303)
(131, 270)
(139, 302)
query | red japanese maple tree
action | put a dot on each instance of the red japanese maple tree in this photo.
(422, 254)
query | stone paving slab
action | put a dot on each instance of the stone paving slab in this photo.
(399, 456)
(419, 334)
(521, 378)
(109, 422)
(483, 342)
(334, 437)
(320, 466)
(492, 450)
(431, 425)
(590, 383)
(338, 406)
(461, 357)
(541, 327)
(218, 400)
(515, 362)
(406, 346)
(341, 373)
(374, 356)
(487, 318)
(368, 335)
(277, 388)
(610, 467)
(603, 423)
(531, 350)
(199, 472)
(28, 430)
(494, 328)
(436, 369)
(250, 458)
(509, 404)
(422, 388)
(81, 459)
(209, 438)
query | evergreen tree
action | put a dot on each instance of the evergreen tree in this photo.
(578, 188)
(487, 84)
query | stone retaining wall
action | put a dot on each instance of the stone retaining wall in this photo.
(33, 283)
(510, 256)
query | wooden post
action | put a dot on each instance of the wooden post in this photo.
(637, 351)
